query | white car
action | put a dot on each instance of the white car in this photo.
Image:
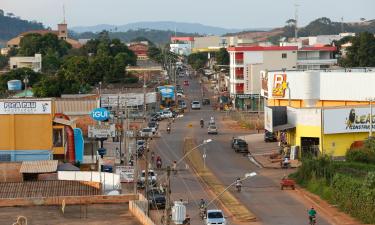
(151, 176)
(180, 95)
(215, 216)
(212, 129)
(146, 132)
(195, 105)
(166, 114)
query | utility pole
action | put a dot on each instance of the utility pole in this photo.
(370, 133)
(144, 97)
(296, 21)
(167, 210)
(146, 175)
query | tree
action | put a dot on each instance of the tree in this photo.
(19, 74)
(222, 57)
(362, 51)
(197, 60)
(3, 61)
(50, 62)
(291, 22)
(48, 86)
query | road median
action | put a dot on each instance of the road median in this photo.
(228, 200)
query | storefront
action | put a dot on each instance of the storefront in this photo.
(249, 102)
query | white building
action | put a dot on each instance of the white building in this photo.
(181, 45)
(34, 63)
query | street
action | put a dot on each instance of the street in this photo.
(260, 194)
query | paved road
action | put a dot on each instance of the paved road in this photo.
(260, 194)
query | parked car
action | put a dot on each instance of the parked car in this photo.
(180, 95)
(195, 105)
(155, 117)
(212, 129)
(241, 146)
(146, 132)
(156, 199)
(166, 114)
(206, 101)
(182, 105)
(269, 136)
(141, 143)
(151, 179)
(154, 126)
(215, 216)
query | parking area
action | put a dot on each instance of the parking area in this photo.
(96, 214)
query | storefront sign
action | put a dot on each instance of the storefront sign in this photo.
(100, 114)
(279, 85)
(268, 120)
(25, 107)
(126, 173)
(264, 78)
(348, 120)
(101, 131)
(247, 96)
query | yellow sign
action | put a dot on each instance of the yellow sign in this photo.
(279, 85)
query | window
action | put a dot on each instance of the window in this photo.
(284, 55)
(58, 137)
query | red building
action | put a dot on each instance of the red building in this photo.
(140, 49)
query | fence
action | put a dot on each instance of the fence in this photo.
(139, 209)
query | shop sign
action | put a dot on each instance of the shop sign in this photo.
(101, 131)
(126, 173)
(264, 78)
(279, 85)
(348, 120)
(25, 107)
(268, 120)
(100, 114)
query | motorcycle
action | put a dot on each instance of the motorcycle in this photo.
(202, 212)
(168, 130)
(238, 186)
(312, 220)
(158, 164)
(202, 124)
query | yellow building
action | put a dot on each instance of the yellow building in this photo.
(319, 112)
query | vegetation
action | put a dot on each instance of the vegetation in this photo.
(366, 154)
(19, 74)
(362, 51)
(11, 26)
(198, 60)
(350, 185)
(222, 57)
(158, 37)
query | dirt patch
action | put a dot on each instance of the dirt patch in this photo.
(229, 201)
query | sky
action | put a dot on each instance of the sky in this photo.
(222, 13)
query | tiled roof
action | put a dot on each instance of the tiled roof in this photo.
(50, 188)
(42, 166)
(262, 48)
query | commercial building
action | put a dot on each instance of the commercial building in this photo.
(181, 45)
(33, 62)
(246, 62)
(320, 111)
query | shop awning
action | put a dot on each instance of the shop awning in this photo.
(284, 127)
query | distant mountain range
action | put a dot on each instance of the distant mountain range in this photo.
(161, 25)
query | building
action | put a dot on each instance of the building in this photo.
(209, 43)
(246, 62)
(245, 66)
(181, 45)
(33, 62)
(140, 49)
(61, 33)
(321, 112)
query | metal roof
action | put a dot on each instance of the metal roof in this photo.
(50, 188)
(42, 166)
(284, 127)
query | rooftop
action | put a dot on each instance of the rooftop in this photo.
(41, 166)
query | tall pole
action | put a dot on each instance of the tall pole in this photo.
(296, 21)
(167, 210)
(146, 174)
(144, 97)
(370, 134)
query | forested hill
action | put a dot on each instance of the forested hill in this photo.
(11, 26)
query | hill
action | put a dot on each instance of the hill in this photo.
(11, 26)
(159, 25)
(156, 36)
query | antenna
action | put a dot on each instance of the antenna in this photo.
(64, 13)
(296, 19)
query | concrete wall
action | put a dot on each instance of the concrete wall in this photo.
(10, 172)
(138, 210)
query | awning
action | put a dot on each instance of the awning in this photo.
(284, 127)
(41, 166)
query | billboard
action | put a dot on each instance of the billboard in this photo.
(166, 91)
(101, 131)
(279, 85)
(25, 107)
(347, 120)
(127, 99)
(268, 120)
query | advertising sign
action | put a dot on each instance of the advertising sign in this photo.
(126, 173)
(264, 78)
(268, 120)
(348, 120)
(25, 107)
(279, 85)
(127, 99)
(101, 131)
(100, 114)
(166, 91)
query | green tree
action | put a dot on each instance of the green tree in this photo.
(362, 51)
(19, 74)
(222, 57)
(198, 60)
(50, 62)
(3, 61)
(48, 86)
(75, 68)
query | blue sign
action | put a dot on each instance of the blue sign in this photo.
(100, 114)
(78, 144)
(166, 91)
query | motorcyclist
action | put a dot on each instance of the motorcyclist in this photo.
(158, 162)
(312, 214)
(168, 129)
(202, 122)
(202, 208)
(174, 167)
(202, 203)
(238, 183)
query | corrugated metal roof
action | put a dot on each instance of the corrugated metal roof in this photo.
(42, 166)
(50, 188)
(75, 106)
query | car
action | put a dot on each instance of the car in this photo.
(151, 179)
(180, 95)
(166, 114)
(141, 143)
(212, 129)
(269, 136)
(234, 140)
(241, 146)
(206, 101)
(154, 126)
(180, 90)
(146, 132)
(195, 105)
(155, 117)
(156, 199)
(215, 216)
(183, 105)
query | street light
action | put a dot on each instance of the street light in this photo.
(187, 153)
(247, 176)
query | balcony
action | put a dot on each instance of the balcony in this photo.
(316, 61)
(238, 62)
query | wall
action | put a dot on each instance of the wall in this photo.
(338, 144)
(139, 208)
(110, 181)
(10, 172)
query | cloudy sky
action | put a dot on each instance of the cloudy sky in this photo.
(223, 13)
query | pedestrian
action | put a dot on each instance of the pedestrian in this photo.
(174, 167)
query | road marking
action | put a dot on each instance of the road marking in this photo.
(254, 161)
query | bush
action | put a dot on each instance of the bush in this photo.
(364, 155)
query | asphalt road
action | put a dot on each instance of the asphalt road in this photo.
(261, 194)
